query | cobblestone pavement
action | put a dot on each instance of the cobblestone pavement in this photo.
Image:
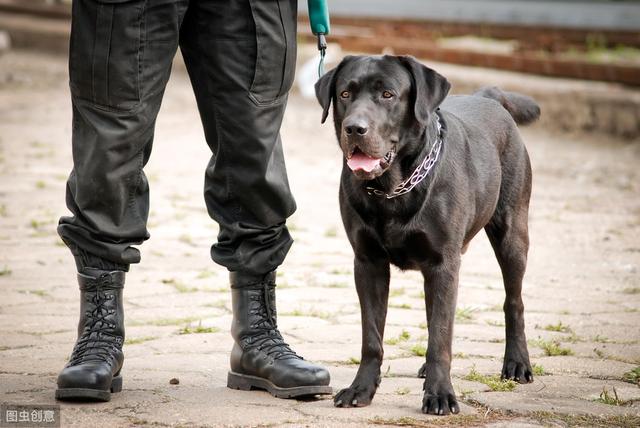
(582, 289)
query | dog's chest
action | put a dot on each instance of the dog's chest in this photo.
(407, 249)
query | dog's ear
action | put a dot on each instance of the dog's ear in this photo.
(326, 87)
(429, 88)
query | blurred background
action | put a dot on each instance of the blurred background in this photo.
(579, 59)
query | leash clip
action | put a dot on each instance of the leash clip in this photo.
(322, 47)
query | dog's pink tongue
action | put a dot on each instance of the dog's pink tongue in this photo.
(361, 161)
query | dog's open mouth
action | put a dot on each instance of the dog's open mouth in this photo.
(358, 160)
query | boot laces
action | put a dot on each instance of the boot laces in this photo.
(269, 339)
(97, 342)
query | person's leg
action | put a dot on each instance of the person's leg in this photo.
(241, 73)
(241, 59)
(120, 60)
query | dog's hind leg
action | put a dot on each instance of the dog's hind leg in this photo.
(372, 285)
(509, 237)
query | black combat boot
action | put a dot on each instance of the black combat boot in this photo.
(260, 359)
(93, 371)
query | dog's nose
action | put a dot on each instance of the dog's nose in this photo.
(357, 127)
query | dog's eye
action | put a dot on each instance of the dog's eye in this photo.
(387, 94)
(344, 94)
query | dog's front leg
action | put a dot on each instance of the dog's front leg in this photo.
(441, 289)
(372, 284)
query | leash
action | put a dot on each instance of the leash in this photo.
(421, 172)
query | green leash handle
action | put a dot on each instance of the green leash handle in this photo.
(320, 26)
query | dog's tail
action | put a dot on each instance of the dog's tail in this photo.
(522, 108)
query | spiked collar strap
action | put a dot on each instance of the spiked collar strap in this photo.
(421, 172)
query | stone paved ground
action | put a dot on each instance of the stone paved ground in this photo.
(582, 291)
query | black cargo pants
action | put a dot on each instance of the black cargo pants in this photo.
(240, 56)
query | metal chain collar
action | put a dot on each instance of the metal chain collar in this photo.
(419, 174)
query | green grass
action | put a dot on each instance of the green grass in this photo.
(610, 398)
(400, 305)
(538, 370)
(310, 313)
(402, 391)
(5, 271)
(337, 285)
(396, 292)
(139, 340)
(418, 350)
(551, 348)
(402, 337)
(495, 323)
(493, 382)
(163, 322)
(41, 293)
(558, 327)
(220, 304)
(186, 239)
(205, 274)
(632, 376)
(40, 184)
(631, 290)
(37, 224)
(179, 286)
(198, 329)
(331, 232)
(3, 210)
(464, 314)
(354, 361)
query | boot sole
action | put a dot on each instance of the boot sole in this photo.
(247, 383)
(88, 394)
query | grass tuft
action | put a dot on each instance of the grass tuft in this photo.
(400, 305)
(179, 286)
(558, 327)
(419, 350)
(538, 370)
(551, 348)
(402, 391)
(198, 329)
(402, 337)
(610, 398)
(354, 361)
(632, 376)
(464, 314)
(494, 382)
(138, 340)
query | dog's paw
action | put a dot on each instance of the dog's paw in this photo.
(354, 396)
(422, 373)
(518, 370)
(442, 403)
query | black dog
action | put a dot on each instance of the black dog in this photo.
(418, 182)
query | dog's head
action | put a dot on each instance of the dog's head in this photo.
(376, 102)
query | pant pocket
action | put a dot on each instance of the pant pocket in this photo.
(275, 28)
(106, 52)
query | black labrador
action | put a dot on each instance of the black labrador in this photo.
(422, 175)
